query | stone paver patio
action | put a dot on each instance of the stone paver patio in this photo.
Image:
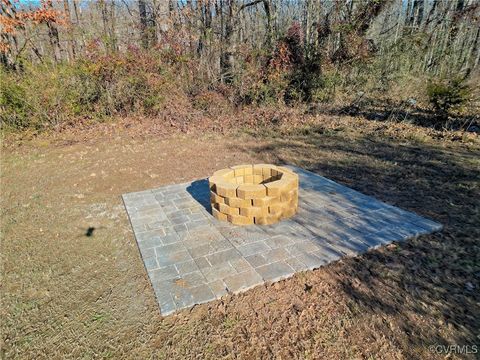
(192, 258)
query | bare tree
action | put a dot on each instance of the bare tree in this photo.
(69, 30)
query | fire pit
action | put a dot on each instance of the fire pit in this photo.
(260, 194)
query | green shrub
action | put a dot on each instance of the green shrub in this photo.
(45, 95)
(13, 107)
(447, 95)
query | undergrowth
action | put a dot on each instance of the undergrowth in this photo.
(171, 87)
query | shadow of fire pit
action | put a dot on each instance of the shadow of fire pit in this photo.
(201, 193)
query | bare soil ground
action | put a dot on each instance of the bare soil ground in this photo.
(73, 284)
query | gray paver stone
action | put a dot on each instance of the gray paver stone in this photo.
(275, 271)
(243, 281)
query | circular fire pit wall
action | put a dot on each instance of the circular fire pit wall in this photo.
(254, 194)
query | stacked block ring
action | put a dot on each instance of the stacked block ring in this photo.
(260, 194)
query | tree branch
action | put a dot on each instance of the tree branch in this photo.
(255, 2)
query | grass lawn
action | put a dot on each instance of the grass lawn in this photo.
(69, 295)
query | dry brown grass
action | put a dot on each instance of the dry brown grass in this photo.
(67, 295)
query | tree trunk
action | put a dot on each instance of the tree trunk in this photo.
(7, 39)
(408, 14)
(430, 15)
(54, 41)
(474, 54)
(153, 23)
(106, 30)
(190, 25)
(267, 5)
(206, 27)
(142, 8)
(164, 10)
(113, 35)
(75, 10)
(454, 25)
(227, 55)
(418, 8)
(69, 26)
(367, 14)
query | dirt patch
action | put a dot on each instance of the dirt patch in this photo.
(74, 284)
(268, 121)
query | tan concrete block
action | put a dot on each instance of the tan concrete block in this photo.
(295, 199)
(257, 179)
(218, 215)
(240, 220)
(265, 201)
(248, 179)
(214, 198)
(258, 169)
(292, 178)
(226, 189)
(294, 195)
(239, 180)
(239, 170)
(269, 166)
(274, 188)
(285, 169)
(285, 197)
(247, 191)
(225, 173)
(212, 180)
(228, 210)
(266, 172)
(289, 211)
(293, 203)
(277, 188)
(238, 203)
(266, 220)
(249, 170)
(277, 209)
(287, 184)
(254, 211)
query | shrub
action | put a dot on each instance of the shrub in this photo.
(45, 95)
(447, 96)
(14, 109)
(41, 96)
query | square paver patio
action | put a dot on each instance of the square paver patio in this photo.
(192, 258)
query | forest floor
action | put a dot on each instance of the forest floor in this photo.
(73, 283)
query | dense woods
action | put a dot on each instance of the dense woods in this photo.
(72, 59)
